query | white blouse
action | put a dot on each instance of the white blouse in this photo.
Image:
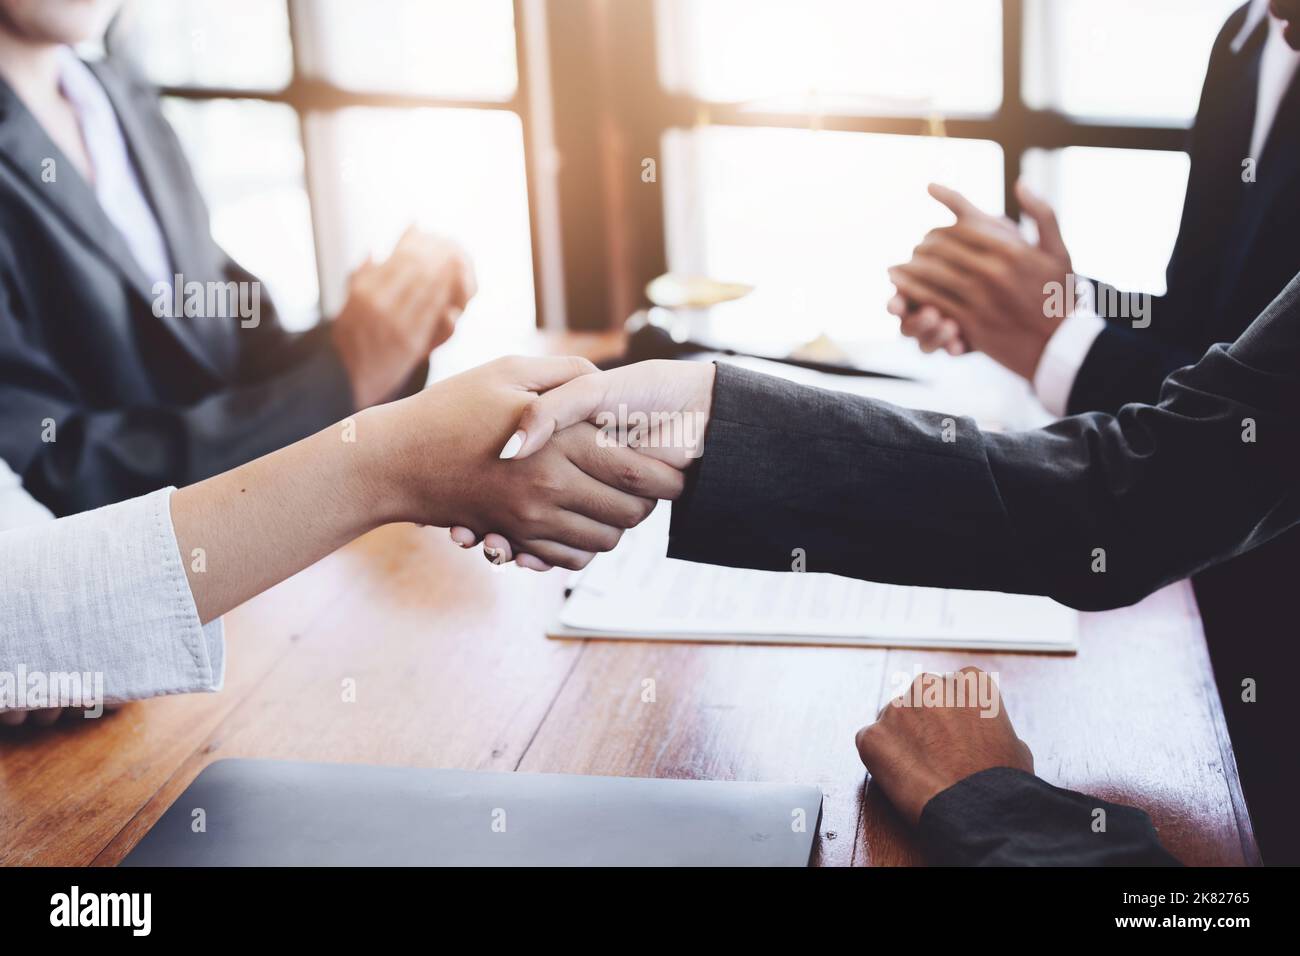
(102, 595)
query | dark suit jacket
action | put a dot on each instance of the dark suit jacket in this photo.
(1236, 244)
(876, 492)
(137, 402)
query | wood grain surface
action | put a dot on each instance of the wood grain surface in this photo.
(451, 668)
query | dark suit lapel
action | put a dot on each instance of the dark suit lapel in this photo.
(1276, 169)
(25, 146)
(208, 337)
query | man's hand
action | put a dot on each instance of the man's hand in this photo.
(658, 408)
(570, 499)
(977, 284)
(399, 311)
(943, 729)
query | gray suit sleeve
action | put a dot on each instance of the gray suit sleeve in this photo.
(1096, 511)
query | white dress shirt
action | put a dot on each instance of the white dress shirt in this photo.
(103, 592)
(1073, 339)
(116, 185)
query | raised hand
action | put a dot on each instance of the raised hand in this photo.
(399, 311)
(978, 284)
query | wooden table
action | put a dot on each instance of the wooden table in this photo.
(451, 669)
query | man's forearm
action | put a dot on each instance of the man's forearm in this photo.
(1096, 511)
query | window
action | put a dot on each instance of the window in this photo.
(789, 142)
(320, 129)
(803, 135)
(811, 219)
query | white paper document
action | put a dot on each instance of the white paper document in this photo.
(635, 592)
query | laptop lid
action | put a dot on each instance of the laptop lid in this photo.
(276, 813)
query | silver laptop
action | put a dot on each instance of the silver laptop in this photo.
(277, 813)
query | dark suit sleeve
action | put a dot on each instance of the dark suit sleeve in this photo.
(1095, 511)
(73, 456)
(1006, 817)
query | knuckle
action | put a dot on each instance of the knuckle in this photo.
(631, 477)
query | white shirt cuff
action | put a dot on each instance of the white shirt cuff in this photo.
(1063, 357)
(104, 595)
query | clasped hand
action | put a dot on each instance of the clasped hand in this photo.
(511, 452)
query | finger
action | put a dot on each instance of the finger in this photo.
(1049, 230)
(939, 272)
(991, 240)
(464, 537)
(945, 245)
(401, 289)
(12, 718)
(624, 469)
(444, 327)
(868, 741)
(961, 207)
(920, 322)
(466, 280)
(953, 342)
(411, 238)
(944, 333)
(558, 555)
(576, 530)
(924, 292)
(568, 404)
(897, 306)
(497, 549)
(544, 373)
(939, 336)
(532, 562)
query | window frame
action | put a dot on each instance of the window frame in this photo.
(590, 120)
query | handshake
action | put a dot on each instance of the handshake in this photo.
(547, 461)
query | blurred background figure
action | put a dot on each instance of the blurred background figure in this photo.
(134, 352)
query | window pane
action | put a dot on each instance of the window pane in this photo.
(1119, 209)
(943, 55)
(1116, 58)
(241, 44)
(460, 173)
(446, 48)
(812, 219)
(257, 197)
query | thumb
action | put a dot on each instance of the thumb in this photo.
(575, 401)
(1049, 231)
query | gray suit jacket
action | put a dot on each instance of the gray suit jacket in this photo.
(137, 402)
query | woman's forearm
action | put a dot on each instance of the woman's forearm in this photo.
(244, 531)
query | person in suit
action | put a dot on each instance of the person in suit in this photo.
(979, 285)
(153, 626)
(1096, 511)
(115, 379)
